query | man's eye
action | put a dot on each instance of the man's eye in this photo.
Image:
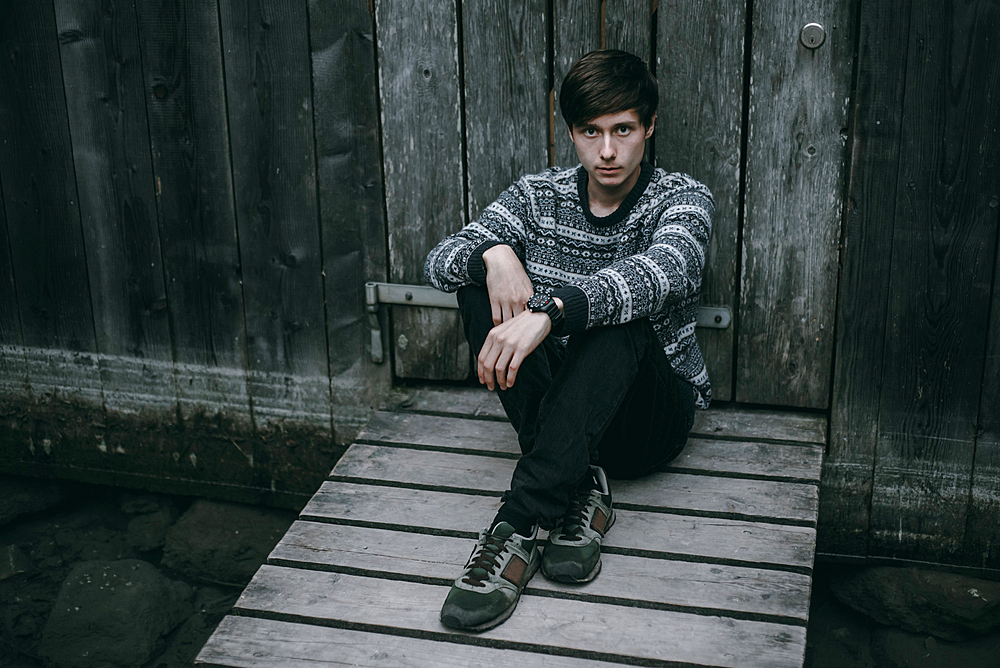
(624, 130)
(590, 132)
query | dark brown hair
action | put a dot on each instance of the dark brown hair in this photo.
(608, 82)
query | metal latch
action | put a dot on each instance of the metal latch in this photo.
(711, 317)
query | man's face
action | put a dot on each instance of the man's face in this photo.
(611, 147)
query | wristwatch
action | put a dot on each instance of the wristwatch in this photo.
(542, 303)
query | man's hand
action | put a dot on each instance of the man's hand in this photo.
(508, 344)
(507, 283)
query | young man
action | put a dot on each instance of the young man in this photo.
(579, 292)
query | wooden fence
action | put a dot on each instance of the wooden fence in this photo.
(193, 194)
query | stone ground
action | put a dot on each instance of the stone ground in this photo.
(75, 557)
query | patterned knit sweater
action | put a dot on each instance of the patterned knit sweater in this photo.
(643, 260)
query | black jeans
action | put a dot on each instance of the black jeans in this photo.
(609, 397)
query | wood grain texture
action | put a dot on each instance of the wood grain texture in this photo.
(746, 542)
(799, 462)
(576, 30)
(699, 65)
(794, 192)
(39, 185)
(639, 579)
(247, 642)
(506, 95)
(943, 252)
(105, 96)
(13, 372)
(982, 533)
(422, 162)
(869, 216)
(350, 176)
(628, 25)
(189, 135)
(539, 621)
(734, 497)
(267, 70)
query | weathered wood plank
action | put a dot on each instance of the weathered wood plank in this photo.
(670, 491)
(676, 583)
(40, 195)
(576, 30)
(701, 454)
(350, 198)
(189, 135)
(537, 622)
(267, 65)
(943, 253)
(719, 539)
(861, 318)
(13, 372)
(755, 459)
(716, 422)
(423, 167)
(506, 95)
(628, 25)
(105, 96)
(794, 187)
(247, 642)
(699, 65)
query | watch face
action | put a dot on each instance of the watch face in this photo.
(537, 301)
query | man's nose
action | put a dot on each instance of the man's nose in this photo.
(607, 148)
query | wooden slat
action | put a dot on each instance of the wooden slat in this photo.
(105, 96)
(677, 583)
(697, 493)
(628, 26)
(700, 70)
(943, 253)
(40, 200)
(794, 190)
(10, 319)
(189, 135)
(719, 539)
(506, 95)
(576, 30)
(721, 422)
(424, 174)
(267, 65)
(864, 288)
(577, 626)
(716, 455)
(247, 642)
(350, 197)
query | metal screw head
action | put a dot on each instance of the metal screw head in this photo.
(812, 36)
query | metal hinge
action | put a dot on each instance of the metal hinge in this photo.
(712, 317)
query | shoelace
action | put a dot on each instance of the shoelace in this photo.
(484, 561)
(576, 517)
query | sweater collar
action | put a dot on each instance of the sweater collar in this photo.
(624, 209)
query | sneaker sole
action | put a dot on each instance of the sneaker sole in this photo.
(565, 578)
(455, 623)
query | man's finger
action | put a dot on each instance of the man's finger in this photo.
(501, 370)
(496, 312)
(512, 367)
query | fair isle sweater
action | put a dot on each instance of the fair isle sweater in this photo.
(644, 260)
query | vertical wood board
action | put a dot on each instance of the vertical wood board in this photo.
(189, 136)
(422, 162)
(352, 223)
(699, 66)
(628, 25)
(13, 373)
(943, 254)
(870, 209)
(576, 30)
(506, 95)
(99, 46)
(268, 85)
(794, 189)
(39, 181)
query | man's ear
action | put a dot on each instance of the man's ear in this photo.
(652, 126)
(569, 129)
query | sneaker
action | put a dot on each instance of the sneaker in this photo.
(573, 552)
(487, 591)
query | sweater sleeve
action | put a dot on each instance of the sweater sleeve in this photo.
(663, 276)
(458, 260)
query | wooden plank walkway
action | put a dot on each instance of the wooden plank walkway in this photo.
(708, 564)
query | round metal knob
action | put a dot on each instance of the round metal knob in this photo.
(812, 35)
